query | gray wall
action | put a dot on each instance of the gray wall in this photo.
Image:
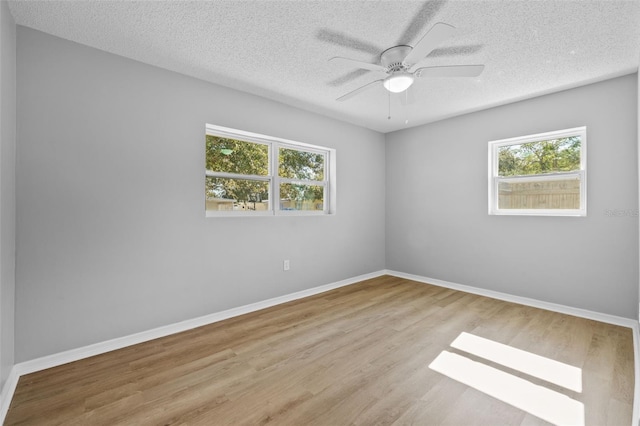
(7, 188)
(112, 234)
(437, 220)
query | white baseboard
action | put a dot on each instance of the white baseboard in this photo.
(133, 339)
(65, 357)
(555, 307)
(61, 358)
(636, 363)
(8, 390)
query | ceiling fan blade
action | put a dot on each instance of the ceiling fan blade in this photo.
(450, 71)
(358, 90)
(436, 35)
(359, 64)
(469, 49)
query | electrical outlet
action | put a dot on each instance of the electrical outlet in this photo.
(286, 265)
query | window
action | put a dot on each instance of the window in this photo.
(543, 174)
(252, 174)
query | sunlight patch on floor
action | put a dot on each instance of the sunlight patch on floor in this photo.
(540, 401)
(547, 369)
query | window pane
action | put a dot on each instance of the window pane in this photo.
(301, 197)
(540, 157)
(235, 156)
(300, 165)
(560, 193)
(236, 194)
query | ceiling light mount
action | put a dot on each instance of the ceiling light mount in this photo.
(393, 58)
(398, 82)
(399, 78)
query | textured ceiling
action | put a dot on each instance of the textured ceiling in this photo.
(280, 49)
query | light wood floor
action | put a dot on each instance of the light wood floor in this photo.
(358, 355)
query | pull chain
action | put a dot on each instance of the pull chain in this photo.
(406, 106)
(389, 116)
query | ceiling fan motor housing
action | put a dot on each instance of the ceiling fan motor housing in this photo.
(392, 58)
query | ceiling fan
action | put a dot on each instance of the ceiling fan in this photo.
(403, 63)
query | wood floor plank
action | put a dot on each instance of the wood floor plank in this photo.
(357, 355)
(475, 408)
(436, 404)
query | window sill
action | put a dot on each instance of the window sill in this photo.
(209, 214)
(539, 212)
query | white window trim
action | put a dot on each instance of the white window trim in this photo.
(581, 174)
(274, 144)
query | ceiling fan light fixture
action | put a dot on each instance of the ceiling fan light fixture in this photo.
(398, 82)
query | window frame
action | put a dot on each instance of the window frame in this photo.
(273, 176)
(495, 179)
